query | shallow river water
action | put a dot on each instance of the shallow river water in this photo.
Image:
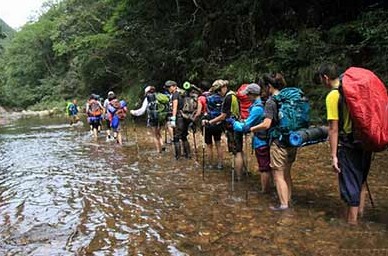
(62, 193)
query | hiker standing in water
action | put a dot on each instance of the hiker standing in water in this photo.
(349, 160)
(180, 124)
(72, 112)
(259, 140)
(282, 156)
(154, 119)
(107, 118)
(94, 111)
(230, 108)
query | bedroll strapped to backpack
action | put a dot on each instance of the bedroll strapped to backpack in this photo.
(367, 100)
(214, 105)
(157, 108)
(244, 102)
(293, 112)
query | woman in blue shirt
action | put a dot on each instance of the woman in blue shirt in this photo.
(259, 142)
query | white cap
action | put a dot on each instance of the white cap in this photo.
(148, 89)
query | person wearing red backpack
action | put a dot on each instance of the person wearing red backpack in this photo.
(349, 161)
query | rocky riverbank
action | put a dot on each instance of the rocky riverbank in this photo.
(28, 113)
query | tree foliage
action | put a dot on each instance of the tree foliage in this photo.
(82, 46)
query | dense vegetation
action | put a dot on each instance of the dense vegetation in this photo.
(6, 34)
(82, 46)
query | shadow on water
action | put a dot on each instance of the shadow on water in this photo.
(63, 193)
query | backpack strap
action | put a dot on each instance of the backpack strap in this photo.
(345, 137)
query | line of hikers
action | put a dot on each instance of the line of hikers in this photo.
(277, 116)
(218, 110)
(111, 112)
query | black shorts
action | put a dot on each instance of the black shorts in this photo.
(235, 141)
(95, 123)
(213, 132)
(354, 164)
(155, 123)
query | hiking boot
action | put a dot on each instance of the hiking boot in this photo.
(177, 146)
(186, 149)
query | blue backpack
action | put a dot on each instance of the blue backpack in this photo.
(214, 105)
(293, 112)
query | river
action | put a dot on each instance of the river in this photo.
(62, 193)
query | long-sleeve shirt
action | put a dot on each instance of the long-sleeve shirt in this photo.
(256, 116)
(142, 109)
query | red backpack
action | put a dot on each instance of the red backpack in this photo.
(244, 101)
(367, 100)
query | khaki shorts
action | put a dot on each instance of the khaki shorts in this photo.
(281, 158)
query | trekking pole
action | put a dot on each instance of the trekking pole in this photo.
(246, 158)
(370, 194)
(195, 147)
(203, 152)
(165, 133)
(233, 167)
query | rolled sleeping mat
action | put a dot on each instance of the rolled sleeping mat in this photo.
(308, 136)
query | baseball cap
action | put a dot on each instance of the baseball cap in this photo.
(169, 83)
(252, 89)
(218, 84)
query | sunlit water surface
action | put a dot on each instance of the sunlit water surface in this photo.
(63, 193)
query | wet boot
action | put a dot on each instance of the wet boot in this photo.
(177, 146)
(186, 149)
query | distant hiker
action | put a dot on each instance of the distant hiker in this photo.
(156, 109)
(230, 108)
(117, 112)
(94, 112)
(349, 160)
(107, 117)
(177, 121)
(282, 156)
(209, 107)
(72, 112)
(260, 140)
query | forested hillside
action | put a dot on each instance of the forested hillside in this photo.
(6, 34)
(82, 46)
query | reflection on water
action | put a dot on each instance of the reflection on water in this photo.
(61, 193)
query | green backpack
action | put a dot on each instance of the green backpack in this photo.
(158, 106)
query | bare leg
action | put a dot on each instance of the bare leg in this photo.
(287, 178)
(210, 152)
(239, 164)
(157, 139)
(352, 215)
(220, 153)
(265, 178)
(362, 200)
(281, 187)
